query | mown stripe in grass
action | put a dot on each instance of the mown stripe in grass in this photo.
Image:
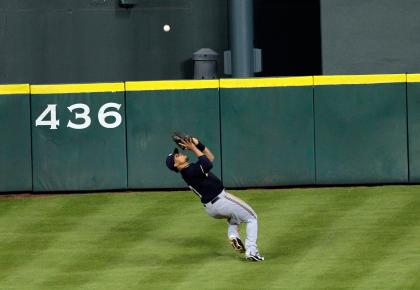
(362, 238)
(183, 248)
(399, 268)
(129, 236)
(380, 242)
(240, 272)
(101, 248)
(181, 245)
(39, 224)
(301, 224)
(6, 207)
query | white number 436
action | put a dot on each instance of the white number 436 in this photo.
(82, 115)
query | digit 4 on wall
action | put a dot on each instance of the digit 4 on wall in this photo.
(81, 113)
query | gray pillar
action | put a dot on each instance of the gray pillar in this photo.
(241, 35)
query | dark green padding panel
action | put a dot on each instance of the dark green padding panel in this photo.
(413, 99)
(361, 134)
(69, 159)
(152, 117)
(267, 136)
(15, 148)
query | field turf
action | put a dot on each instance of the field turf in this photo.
(323, 238)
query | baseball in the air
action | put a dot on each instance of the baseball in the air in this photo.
(166, 28)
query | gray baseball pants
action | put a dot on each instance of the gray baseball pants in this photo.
(236, 211)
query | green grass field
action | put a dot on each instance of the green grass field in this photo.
(324, 238)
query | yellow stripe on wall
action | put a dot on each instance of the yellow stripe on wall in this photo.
(359, 79)
(266, 82)
(14, 89)
(171, 85)
(208, 84)
(413, 78)
(77, 88)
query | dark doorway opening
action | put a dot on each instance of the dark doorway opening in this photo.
(289, 34)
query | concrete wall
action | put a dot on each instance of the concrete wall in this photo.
(78, 41)
(370, 36)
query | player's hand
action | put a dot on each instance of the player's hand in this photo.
(188, 144)
(195, 140)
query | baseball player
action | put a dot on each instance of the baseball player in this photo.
(217, 202)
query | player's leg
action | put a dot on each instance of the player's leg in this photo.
(245, 214)
(233, 229)
(234, 236)
(251, 236)
(223, 209)
(236, 211)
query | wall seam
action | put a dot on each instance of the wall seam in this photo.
(126, 135)
(407, 128)
(314, 127)
(30, 132)
(220, 132)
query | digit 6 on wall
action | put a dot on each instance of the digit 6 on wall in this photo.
(81, 113)
(102, 115)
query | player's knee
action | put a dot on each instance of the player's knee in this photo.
(252, 219)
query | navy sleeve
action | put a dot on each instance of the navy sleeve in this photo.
(205, 164)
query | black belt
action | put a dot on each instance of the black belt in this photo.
(213, 200)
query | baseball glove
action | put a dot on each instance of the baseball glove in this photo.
(178, 137)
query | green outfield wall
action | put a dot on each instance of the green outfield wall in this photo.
(322, 130)
(155, 110)
(15, 136)
(361, 129)
(267, 131)
(78, 137)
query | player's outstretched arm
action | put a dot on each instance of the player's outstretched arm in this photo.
(209, 154)
(206, 150)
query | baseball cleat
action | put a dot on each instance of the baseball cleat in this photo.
(254, 257)
(237, 244)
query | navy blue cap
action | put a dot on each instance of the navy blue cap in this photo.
(170, 160)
